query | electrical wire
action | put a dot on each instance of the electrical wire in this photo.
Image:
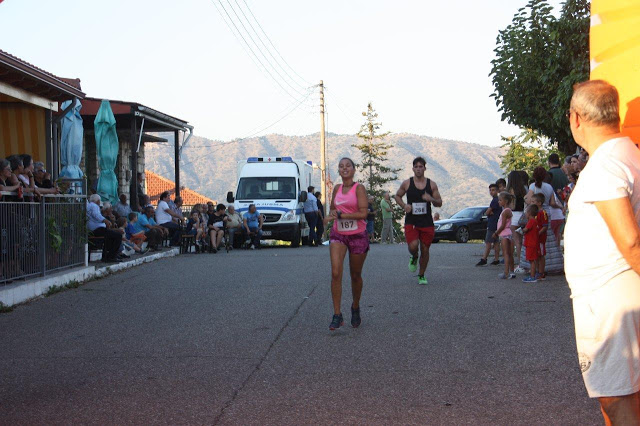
(252, 51)
(258, 47)
(272, 45)
(266, 47)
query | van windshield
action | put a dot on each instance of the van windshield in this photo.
(267, 188)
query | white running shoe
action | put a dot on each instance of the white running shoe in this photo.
(520, 270)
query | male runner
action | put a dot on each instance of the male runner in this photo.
(421, 193)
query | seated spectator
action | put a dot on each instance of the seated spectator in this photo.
(234, 224)
(215, 226)
(122, 224)
(147, 201)
(154, 233)
(122, 209)
(134, 234)
(107, 211)
(195, 228)
(5, 177)
(253, 225)
(176, 207)
(98, 226)
(164, 217)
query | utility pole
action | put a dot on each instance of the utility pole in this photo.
(323, 151)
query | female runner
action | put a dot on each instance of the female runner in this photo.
(349, 233)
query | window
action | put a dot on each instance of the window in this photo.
(267, 188)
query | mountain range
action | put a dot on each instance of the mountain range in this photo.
(462, 170)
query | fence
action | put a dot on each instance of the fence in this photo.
(37, 238)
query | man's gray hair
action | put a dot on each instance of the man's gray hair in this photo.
(106, 205)
(597, 102)
(38, 165)
(95, 198)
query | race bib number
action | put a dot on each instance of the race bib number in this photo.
(346, 225)
(419, 208)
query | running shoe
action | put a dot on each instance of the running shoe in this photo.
(482, 262)
(422, 280)
(520, 270)
(336, 322)
(495, 262)
(541, 277)
(355, 317)
(529, 279)
(512, 276)
(413, 264)
(502, 276)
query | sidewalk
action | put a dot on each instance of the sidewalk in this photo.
(23, 291)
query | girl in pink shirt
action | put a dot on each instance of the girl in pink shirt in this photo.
(348, 234)
(504, 232)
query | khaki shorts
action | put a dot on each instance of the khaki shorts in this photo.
(607, 325)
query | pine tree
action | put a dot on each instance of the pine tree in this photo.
(374, 157)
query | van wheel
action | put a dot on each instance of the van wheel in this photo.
(296, 239)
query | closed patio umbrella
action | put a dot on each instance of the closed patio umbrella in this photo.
(107, 150)
(71, 141)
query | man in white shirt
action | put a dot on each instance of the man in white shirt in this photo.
(602, 253)
(311, 214)
(164, 217)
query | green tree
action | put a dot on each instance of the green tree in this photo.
(374, 156)
(525, 151)
(538, 60)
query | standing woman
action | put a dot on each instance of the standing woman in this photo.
(349, 233)
(517, 186)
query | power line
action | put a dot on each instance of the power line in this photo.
(246, 138)
(266, 47)
(272, 45)
(252, 51)
(258, 47)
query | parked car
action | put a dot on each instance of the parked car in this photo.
(467, 224)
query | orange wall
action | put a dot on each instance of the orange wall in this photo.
(615, 55)
(22, 129)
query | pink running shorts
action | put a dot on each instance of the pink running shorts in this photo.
(356, 243)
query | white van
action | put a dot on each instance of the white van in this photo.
(277, 186)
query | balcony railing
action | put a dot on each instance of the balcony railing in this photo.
(40, 237)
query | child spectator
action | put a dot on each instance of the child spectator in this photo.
(502, 185)
(493, 214)
(194, 227)
(133, 234)
(531, 242)
(121, 223)
(504, 232)
(543, 225)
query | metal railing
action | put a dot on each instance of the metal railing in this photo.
(39, 237)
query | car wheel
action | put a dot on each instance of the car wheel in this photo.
(296, 239)
(462, 235)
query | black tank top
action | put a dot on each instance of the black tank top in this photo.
(414, 196)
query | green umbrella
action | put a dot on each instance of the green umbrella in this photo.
(107, 149)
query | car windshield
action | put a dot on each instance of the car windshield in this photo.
(465, 214)
(267, 188)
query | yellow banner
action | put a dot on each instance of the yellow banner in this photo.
(615, 55)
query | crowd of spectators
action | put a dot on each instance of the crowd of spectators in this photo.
(549, 189)
(28, 180)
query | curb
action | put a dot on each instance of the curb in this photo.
(17, 293)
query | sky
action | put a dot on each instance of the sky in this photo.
(423, 64)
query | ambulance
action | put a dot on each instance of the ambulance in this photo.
(278, 188)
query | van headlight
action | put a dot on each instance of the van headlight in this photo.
(445, 227)
(290, 215)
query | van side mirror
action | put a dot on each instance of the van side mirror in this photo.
(303, 196)
(230, 197)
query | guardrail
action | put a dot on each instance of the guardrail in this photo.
(40, 237)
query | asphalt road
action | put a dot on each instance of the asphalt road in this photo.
(243, 338)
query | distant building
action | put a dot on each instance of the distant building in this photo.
(157, 184)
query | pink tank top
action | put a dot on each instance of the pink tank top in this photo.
(507, 228)
(348, 203)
